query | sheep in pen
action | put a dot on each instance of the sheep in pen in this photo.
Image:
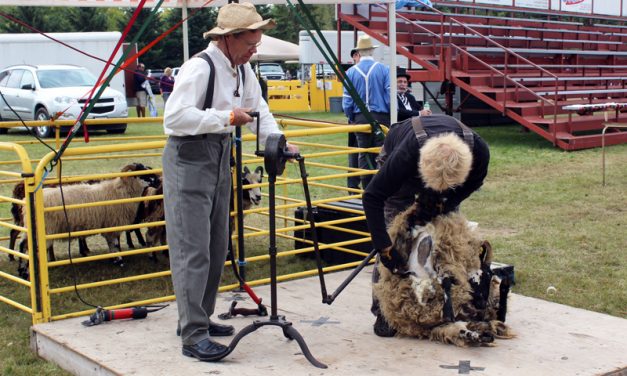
(153, 210)
(91, 217)
(448, 292)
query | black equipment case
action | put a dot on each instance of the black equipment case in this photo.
(330, 236)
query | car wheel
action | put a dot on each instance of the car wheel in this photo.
(43, 132)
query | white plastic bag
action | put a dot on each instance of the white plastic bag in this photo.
(152, 108)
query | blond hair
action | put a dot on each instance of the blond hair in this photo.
(445, 162)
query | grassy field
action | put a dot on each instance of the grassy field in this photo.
(543, 209)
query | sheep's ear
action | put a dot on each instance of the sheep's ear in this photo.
(259, 170)
(246, 170)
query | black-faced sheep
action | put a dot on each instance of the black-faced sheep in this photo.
(95, 217)
(250, 196)
(153, 210)
(448, 292)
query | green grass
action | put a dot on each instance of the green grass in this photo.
(543, 209)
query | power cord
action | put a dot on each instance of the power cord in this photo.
(67, 220)
(69, 242)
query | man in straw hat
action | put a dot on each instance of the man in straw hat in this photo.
(372, 82)
(435, 161)
(196, 168)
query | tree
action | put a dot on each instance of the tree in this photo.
(47, 20)
(89, 19)
(62, 19)
(153, 56)
(288, 23)
(172, 45)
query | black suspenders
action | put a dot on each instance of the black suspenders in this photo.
(421, 135)
(212, 78)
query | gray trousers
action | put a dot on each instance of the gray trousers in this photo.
(366, 161)
(196, 188)
(353, 161)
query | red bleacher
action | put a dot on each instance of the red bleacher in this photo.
(526, 69)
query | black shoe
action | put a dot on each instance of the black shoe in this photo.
(382, 328)
(219, 330)
(215, 330)
(206, 351)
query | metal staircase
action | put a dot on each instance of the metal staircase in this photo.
(525, 69)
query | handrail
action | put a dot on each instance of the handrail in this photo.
(522, 87)
(507, 52)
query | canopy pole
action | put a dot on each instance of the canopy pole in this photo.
(185, 34)
(392, 47)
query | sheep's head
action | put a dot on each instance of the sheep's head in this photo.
(151, 180)
(254, 194)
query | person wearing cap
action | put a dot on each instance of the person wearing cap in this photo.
(372, 83)
(408, 106)
(353, 159)
(435, 161)
(196, 168)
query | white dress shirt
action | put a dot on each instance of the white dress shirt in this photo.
(184, 116)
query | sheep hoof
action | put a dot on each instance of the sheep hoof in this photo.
(471, 336)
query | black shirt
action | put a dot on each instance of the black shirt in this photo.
(398, 181)
(404, 113)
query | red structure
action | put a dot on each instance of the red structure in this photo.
(527, 69)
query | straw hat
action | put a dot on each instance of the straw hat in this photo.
(365, 43)
(445, 162)
(235, 17)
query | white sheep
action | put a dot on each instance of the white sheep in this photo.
(95, 217)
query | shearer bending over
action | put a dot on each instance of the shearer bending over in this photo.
(434, 160)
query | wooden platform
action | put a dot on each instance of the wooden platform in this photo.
(552, 339)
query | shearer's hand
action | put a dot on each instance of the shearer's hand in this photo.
(391, 259)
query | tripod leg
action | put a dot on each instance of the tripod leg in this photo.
(241, 334)
(303, 346)
(287, 334)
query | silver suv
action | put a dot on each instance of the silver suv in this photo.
(35, 92)
(271, 71)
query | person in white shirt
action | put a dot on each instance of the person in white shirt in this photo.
(196, 168)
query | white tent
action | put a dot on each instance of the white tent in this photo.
(273, 49)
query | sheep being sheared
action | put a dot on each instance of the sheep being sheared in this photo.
(95, 217)
(448, 292)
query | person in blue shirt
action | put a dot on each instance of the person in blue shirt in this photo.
(372, 82)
